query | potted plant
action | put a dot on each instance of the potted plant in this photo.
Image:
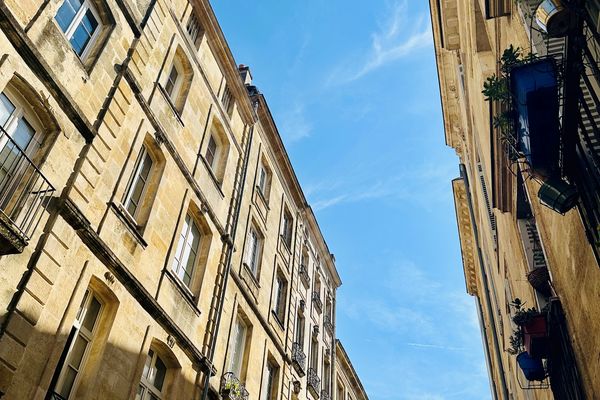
(232, 390)
(534, 331)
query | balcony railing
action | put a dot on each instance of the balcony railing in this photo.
(316, 299)
(298, 358)
(313, 381)
(304, 275)
(232, 388)
(327, 323)
(325, 395)
(24, 194)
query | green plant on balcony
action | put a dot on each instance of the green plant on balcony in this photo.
(233, 388)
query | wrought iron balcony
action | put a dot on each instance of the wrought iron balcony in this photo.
(232, 388)
(24, 194)
(298, 358)
(327, 323)
(316, 299)
(325, 395)
(304, 275)
(313, 381)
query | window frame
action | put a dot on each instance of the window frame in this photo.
(252, 258)
(75, 23)
(279, 308)
(135, 176)
(237, 347)
(174, 93)
(269, 388)
(287, 228)
(145, 383)
(76, 332)
(212, 159)
(180, 251)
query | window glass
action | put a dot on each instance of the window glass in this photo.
(238, 347)
(187, 251)
(79, 23)
(172, 81)
(153, 378)
(6, 109)
(211, 152)
(138, 183)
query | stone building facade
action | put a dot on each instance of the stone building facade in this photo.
(523, 247)
(154, 240)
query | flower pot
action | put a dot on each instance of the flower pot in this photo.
(532, 368)
(535, 337)
(539, 278)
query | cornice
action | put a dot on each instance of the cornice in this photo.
(465, 230)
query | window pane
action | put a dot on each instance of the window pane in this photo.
(66, 13)
(77, 352)
(23, 133)
(171, 81)
(146, 371)
(140, 393)
(68, 381)
(91, 315)
(84, 32)
(161, 371)
(6, 109)
(211, 151)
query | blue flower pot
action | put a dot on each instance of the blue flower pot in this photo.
(532, 368)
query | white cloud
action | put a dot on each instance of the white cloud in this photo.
(399, 36)
(294, 125)
(425, 185)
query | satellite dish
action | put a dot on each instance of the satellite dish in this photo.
(553, 18)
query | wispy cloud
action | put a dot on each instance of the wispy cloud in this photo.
(435, 346)
(294, 125)
(399, 35)
(424, 185)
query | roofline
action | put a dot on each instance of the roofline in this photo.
(338, 345)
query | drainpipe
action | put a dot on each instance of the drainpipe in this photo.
(486, 289)
(228, 256)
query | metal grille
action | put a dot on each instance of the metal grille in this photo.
(24, 190)
(232, 388)
(313, 381)
(298, 356)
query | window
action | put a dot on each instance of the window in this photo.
(238, 346)
(172, 82)
(300, 328)
(340, 391)
(153, 378)
(81, 337)
(138, 183)
(177, 80)
(227, 100)
(79, 21)
(288, 226)
(187, 251)
(280, 298)
(253, 250)
(18, 126)
(269, 389)
(263, 180)
(314, 354)
(211, 152)
(194, 29)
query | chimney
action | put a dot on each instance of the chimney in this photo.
(245, 74)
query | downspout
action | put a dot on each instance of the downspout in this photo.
(228, 256)
(484, 279)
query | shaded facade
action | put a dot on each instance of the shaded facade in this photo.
(518, 138)
(155, 242)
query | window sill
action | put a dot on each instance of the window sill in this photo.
(170, 103)
(263, 197)
(129, 222)
(286, 246)
(184, 291)
(211, 173)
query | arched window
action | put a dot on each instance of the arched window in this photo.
(158, 373)
(153, 378)
(143, 183)
(216, 151)
(26, 127)
(178, 79)
(83, 350)
(190, 255)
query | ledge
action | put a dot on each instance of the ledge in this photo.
(184, 291)
(129, 222)
(75, 218)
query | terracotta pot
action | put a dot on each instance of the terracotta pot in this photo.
(535, 337)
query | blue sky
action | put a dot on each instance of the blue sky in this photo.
(353, 88)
